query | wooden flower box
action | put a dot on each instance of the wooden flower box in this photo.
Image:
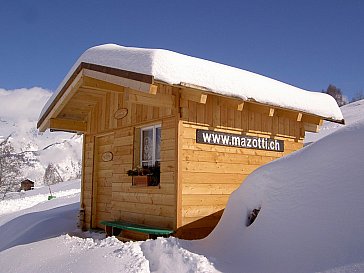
(142, 180)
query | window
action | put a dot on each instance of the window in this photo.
(147, 143)
(150, 146)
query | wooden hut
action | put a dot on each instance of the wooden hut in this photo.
(168, 137)
(26, 185)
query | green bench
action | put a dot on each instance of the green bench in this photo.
(113, 228)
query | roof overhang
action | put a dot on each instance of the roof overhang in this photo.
(89, 76)
(82, 78)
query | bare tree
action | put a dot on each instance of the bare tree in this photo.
(358, 96)
(11, 164)
(336, 93)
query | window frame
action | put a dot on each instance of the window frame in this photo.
(154, 140)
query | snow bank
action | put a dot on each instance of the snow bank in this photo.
(311, 216)
(175, 68)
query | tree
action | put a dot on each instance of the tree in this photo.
(358, 96)
(51, 175)
(11, 164)
(336, 93)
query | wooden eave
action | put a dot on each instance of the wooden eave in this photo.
(90, 76)
(101, 79)
(307, 118)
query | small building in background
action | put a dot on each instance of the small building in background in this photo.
(26, 185)
(168, 137)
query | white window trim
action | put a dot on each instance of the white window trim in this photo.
(154, 127)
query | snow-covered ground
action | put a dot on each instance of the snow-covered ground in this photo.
(45, 235)
(311, 220)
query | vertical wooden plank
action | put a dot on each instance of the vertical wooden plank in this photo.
(292, 127)
(107, 110)
(200, 113)
(216, 111)
(237, 121)
(275, 125)
(179, 173)
(245, 120)
(209, 111)
(286, 126)
(251, 121)
(145, 113)
(120, 105)
(258, 122)
(223, 115)
(150, 112)
(281, 125)
(139, 113)
(155, 112)
(231, 118)
(192, 111)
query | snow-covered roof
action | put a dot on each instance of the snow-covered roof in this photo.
(175, 68)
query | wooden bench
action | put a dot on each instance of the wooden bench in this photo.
(113, 228)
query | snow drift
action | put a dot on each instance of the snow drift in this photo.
(311, 216)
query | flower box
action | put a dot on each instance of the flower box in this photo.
(141, 180)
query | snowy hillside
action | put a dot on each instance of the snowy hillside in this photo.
(352, 113)
(311, 220)
(19, 111)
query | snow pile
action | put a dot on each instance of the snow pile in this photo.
(167, 255)
(311, 216)
(175, 68)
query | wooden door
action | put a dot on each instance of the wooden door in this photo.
(102, 184)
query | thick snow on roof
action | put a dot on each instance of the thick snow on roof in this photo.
(175, 68)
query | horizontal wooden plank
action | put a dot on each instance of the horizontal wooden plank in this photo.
(169, 133)
(200, 211)
(168, 155)
(68, 125)
(208, 188)
(126, 140)
(207, 156)
(145, 198)
(204, 199)
(169, 123)
(164, 188)
(150, 209)
(216, 178)
(159, 100)
(217, 167)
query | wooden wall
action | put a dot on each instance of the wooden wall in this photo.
(196, 179)
(209, 173)
(108, 193)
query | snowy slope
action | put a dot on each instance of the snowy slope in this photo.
(19, 110)
(352, 113)
(174, 68)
